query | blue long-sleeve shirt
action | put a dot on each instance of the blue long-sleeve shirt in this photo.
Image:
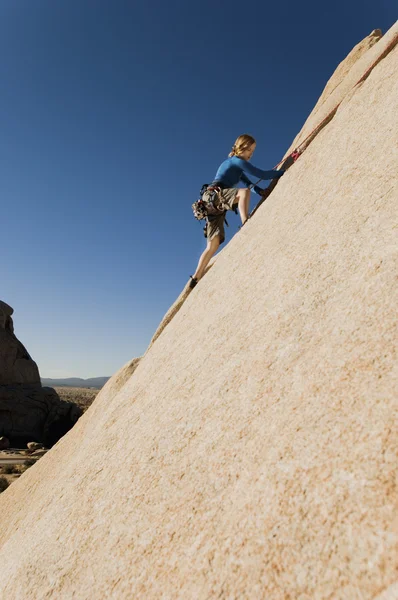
(233, 170)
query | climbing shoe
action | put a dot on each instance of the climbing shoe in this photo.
(244, 222)
(193, 282)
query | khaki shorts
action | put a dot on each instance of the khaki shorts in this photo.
(215, 223)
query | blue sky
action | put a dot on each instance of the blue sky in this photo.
(113, 115)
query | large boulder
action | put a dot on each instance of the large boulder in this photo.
(32, 413)
(28, 412)
(16, 365)
(4, 443)
(253, 451)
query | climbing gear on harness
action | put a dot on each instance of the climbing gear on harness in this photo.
(210, 208)
(204, 208)
(295, 155)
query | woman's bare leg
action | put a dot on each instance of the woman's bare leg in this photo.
(211, 249)
(243, 197)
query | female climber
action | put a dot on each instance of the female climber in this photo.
(230, 173)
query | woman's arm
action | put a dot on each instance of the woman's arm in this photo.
(249, 168)
(247, 181)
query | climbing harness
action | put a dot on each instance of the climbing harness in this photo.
(204, 208)
(209, 209)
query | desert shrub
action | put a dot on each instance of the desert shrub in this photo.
(3, 484)
(7, 469)
(19, 469)
(83, 397)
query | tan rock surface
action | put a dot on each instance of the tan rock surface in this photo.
(345, 66)
(115, 383)
(354, 67)
(259, 462)
(177, 305)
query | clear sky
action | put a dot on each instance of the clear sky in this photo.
(113, 114)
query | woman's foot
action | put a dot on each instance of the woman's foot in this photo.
(193, 282)
(244, 222)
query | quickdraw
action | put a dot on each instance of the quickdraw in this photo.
(295, 155)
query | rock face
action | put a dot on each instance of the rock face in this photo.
(345, 81)
(343, 70)
(28, 412)
(4, 443)
(259, 462)
(116, 382)
(16, 366)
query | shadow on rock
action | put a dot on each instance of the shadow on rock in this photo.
(32, 413)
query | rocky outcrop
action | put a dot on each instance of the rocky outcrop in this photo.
(4, 443)
(253, 452)
(16, 365)
(28, 412)
(32, 413)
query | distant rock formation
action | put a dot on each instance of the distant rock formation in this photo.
(76, 382)
(28, 411)
(16, 365)
(4, 443)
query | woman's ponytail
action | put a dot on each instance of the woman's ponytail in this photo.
(242, 143)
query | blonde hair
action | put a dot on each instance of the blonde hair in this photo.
(242, 143)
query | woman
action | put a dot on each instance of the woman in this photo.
(230, 173)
